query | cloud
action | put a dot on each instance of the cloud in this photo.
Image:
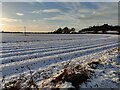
(10, 20)
(46, 11)
(31, 3)
(55, 18)
(80, 16)
(71, 14)
(51, 10)
(103, 11)
(19, 14)
(37, 11)
(36, 20)
(61, 1)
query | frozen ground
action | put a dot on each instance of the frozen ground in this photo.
(45, 54)
(105, 75)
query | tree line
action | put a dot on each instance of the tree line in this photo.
(65, 30)
(104, 29)
(101, 29)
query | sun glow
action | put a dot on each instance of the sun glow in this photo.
(1, 26)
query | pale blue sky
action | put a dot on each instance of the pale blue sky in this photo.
(48, 16)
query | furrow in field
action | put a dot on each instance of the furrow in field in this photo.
(9, 45)
(18, 67)
(12, 53)
(24, 46)
(30, 49)
(36, 40)
(53, 66)
(33, 45)
(39, 38)
(44, 53)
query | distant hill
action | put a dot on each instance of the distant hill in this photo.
(103, 29)
(27, 32)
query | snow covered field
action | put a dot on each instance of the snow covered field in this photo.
(46, 54)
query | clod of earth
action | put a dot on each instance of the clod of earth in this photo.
(75, 76)
(94, 64)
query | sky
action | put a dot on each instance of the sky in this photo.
(49, 16)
